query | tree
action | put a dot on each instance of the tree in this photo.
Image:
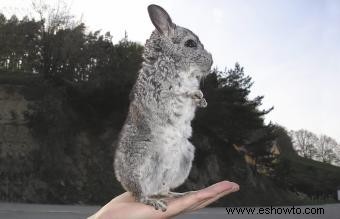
(19, 40)
(337, 153)
(54, 17)
(304, 143)
(326, 149)
(232, 115)
(3, 54)
(62, 39)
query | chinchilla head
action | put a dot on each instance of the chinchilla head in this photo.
(177, 43)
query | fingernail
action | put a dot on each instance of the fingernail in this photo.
(235, 188)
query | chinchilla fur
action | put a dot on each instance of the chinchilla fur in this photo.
(154, 154)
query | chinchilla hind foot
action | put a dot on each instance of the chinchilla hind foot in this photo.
(157, 203)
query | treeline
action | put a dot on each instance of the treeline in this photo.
(317, 147)
(19, 44)
(64, 52)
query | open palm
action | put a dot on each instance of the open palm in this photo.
(125, 206)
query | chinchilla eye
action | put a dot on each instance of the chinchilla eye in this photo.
(190, 43)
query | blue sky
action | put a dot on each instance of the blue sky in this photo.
(291, 48)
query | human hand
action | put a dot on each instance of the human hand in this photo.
(125, 206)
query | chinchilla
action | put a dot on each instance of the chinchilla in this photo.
(154, 154)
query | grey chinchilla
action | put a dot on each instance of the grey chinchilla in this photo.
(154, 154)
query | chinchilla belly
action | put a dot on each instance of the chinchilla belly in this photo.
(177, 150)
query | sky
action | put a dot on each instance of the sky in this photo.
(291, 48)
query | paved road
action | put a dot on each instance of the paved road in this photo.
(33, 211)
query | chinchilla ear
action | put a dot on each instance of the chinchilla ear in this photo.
(161, 19)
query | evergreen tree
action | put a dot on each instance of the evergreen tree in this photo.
(19, 44)
(232, 115)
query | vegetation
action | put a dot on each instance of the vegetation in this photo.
(322, 148)
(315, 179)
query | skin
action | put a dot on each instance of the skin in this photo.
(125, 205)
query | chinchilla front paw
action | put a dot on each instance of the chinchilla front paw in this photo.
(202, 103)
(197, 94)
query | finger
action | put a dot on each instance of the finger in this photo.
(206, 202)
(186, 202)
(220, 187)
(209, 201)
